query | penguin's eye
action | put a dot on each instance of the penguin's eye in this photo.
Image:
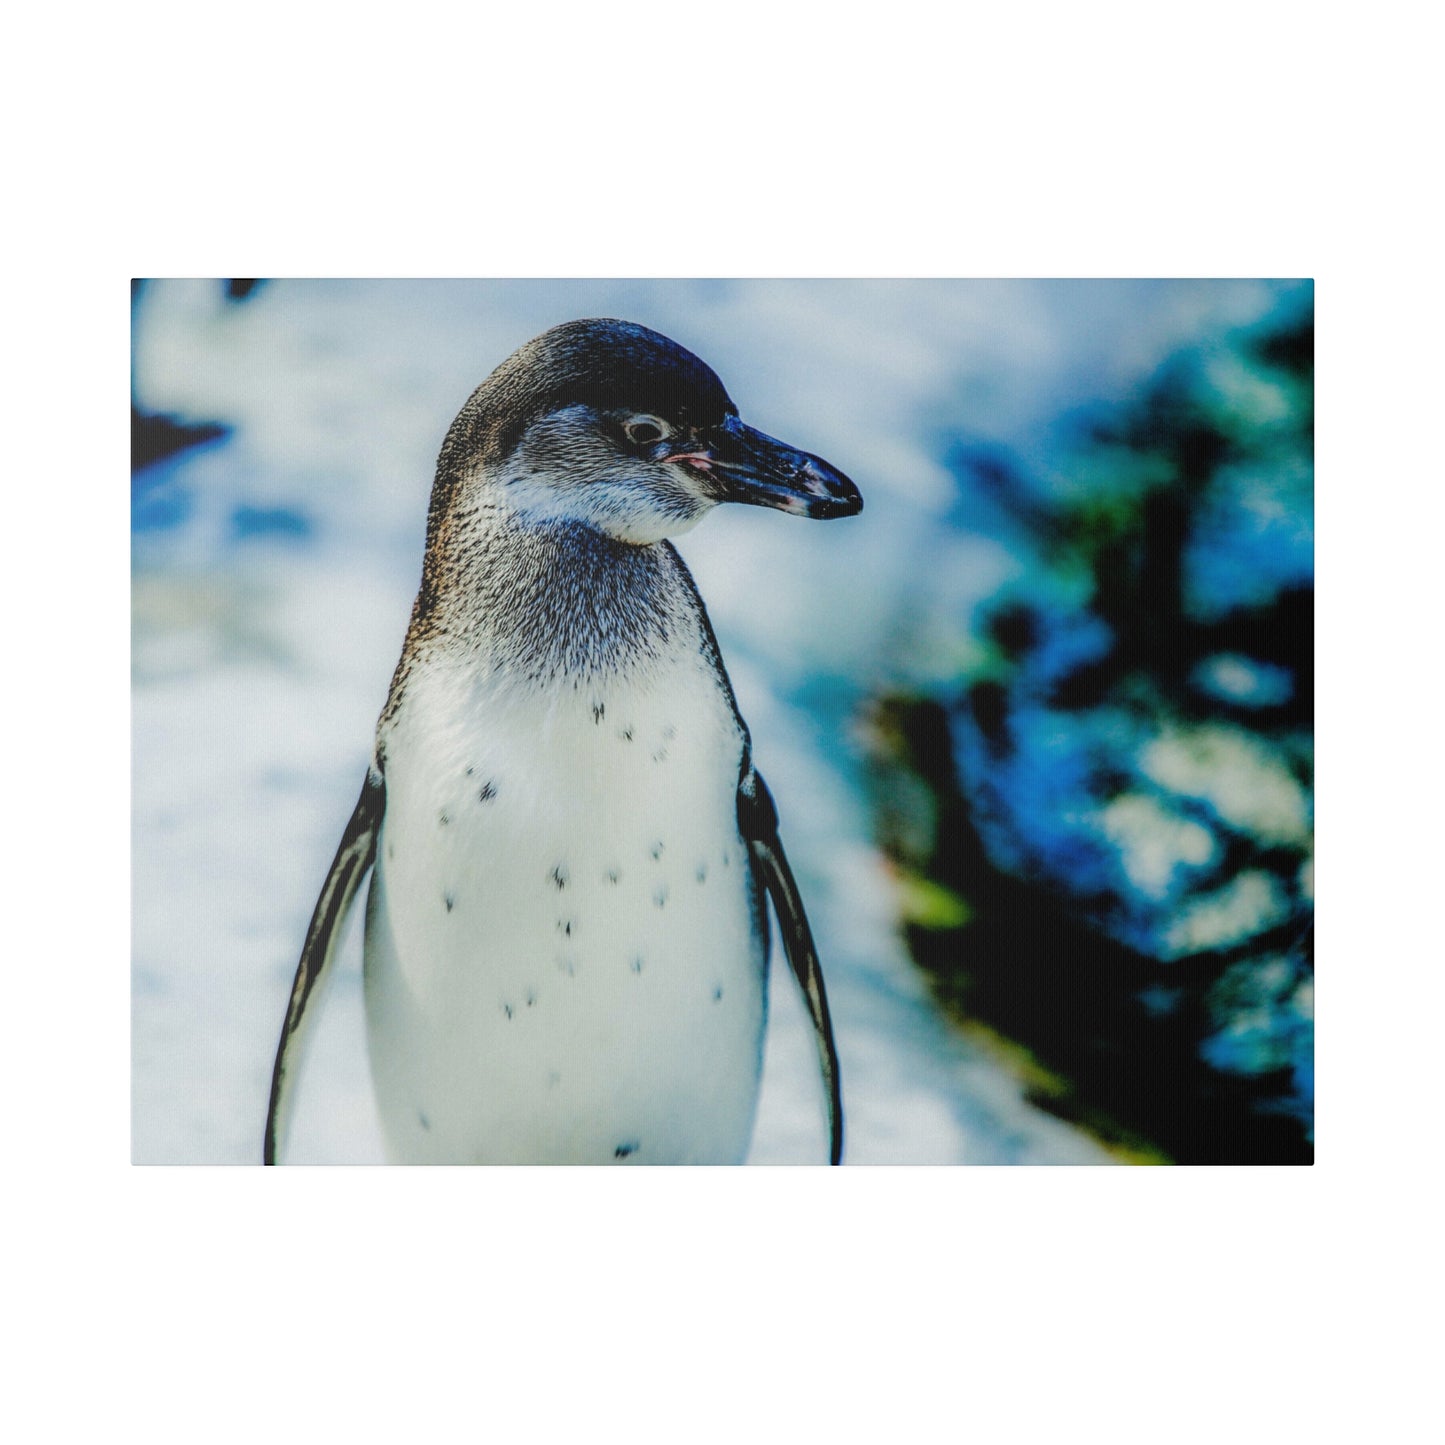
(643, 430)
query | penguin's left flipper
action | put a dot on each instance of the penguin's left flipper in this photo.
(758, 822)
(354, 856)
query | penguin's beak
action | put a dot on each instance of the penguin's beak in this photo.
(741, 464)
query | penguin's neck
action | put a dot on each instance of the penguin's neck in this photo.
(551, 601)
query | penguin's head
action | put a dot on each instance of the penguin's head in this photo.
(616, 427)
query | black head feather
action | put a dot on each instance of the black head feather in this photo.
(606, 364)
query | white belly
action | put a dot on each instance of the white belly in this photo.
(562, 958)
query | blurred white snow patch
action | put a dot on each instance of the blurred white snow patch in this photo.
(1154, 842)
(835, 605)
(1244, 680)
(1239, 776)
(246, 762)
(1250, 397)
(1245, 906)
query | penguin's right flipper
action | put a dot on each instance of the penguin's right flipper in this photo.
(348, 868)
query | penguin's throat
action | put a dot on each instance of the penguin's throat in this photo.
(560, 599)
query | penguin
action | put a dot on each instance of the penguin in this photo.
(566, 935)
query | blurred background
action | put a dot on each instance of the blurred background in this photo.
(1039, 722)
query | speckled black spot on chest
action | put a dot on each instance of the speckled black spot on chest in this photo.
(488, 792)
(622, 1151)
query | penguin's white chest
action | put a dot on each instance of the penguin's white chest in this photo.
(563, 957)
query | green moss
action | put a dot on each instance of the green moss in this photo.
(930, 905)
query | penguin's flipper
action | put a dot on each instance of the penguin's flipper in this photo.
(348, 868)
(758, 822)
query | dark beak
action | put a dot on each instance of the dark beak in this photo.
(744, 465)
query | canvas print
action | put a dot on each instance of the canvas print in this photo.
(718, 722)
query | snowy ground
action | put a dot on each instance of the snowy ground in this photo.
(273, 574)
